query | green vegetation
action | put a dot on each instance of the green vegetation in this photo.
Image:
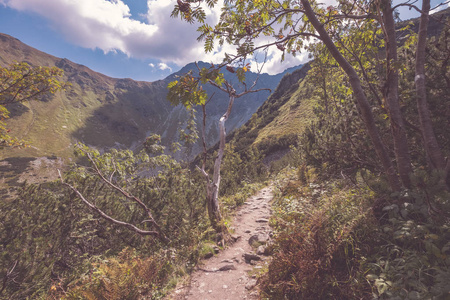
(20, 82)
(54, 245)
(341, 232)
(360, 212)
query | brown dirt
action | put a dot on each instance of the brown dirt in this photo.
(208, 282)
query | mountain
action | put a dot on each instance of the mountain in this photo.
(109, 112)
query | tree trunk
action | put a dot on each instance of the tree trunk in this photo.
(213, 188)
(433, 151)
(391, 95)
(360, 97)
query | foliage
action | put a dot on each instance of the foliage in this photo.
(342, 241)
(72, 251)
(337, 142)
(45, 238)
(322, 241)
(437, 83)
(63, 236)
(129, 275)
(413, 260)
(5, 139)
(21, 82)
(169, 191)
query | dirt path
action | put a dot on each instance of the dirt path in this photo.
(229, 274)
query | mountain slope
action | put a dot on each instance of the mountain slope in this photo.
(107, 112)
(276, 124)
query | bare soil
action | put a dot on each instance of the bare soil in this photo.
(228, 275)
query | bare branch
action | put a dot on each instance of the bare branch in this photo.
(158, 233)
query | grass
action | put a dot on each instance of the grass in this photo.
(293, 116)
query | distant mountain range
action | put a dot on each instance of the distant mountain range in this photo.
(108, 112)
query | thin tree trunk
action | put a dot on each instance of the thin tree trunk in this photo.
(213, 188)
(391, 94)
(431, 145)
(360, 97)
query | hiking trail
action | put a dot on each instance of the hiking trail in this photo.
(229, 275)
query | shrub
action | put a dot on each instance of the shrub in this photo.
(321, 245)
(127, 276)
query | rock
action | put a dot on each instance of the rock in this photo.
(260, 238)
(208, 255)
(261, 250)
(235, 237)
(248, 231)
(262, 220)
(249, 257)
(216, 249)
(253, 239)
(225, 286)
(251, 284)
(227, 268)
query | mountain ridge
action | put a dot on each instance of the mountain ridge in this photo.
(105, 112)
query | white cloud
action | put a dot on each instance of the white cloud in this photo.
(441, 6)
(108, 25)
(163, 66)
(151, 65)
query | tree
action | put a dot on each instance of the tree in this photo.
(189, 92)
(113, 169)
(431, 145)
(290, 25)
(20, 82)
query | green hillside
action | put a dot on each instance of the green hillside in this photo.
(96, 109)
(277, 123)
(108, 112)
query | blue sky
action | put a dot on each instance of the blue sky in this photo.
(119, 38)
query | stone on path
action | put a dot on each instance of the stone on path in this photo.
(259, 238)
(249, 257)
(227, 268)
(262, 220)
(251, 284)
(261, 250)
(235, 237)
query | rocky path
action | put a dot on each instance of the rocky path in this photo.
(229, 274)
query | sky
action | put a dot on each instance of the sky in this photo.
(120, 38)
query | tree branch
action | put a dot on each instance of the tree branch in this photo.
(158, 233)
